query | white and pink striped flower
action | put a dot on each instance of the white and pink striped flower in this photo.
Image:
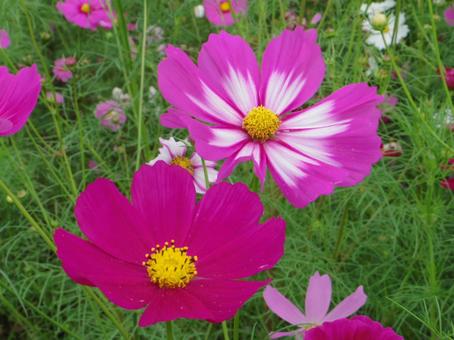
(175, 153)
(239, 112)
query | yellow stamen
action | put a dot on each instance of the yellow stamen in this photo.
(225, 6)
(85, 8)
(184, 162)
(170, 266)
(261, 123)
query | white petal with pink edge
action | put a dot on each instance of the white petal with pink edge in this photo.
(241, 89)
(282, 89)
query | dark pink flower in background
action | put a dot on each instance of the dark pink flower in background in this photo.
(448, 183)
(5, 41)
(449, 15)
(62, 68)
(357, 328)
(223, 12)
(236, 111)
(450, 77)
(18, 97)
(165, 252)
(318, 300)
(55, 97)
(110, 114)
(88, 14)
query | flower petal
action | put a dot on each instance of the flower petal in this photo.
(292, 70)
(318, 298)
(259, 249)
(228, 65)
(282, 307)
(348, 306)
(172, 119)
(107, 218)
(165, 196)
(225, 212)
(125, 284)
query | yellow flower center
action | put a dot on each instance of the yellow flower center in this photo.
(225, 6)
(261, 123)
(85, 8)
(170, 266)
(184, 162)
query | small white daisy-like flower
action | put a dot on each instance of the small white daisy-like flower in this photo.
(377, 7)
(375, 31)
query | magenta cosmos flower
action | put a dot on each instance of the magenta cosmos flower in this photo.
(318, 299)
(62, 70)
(222, 12)
(18, 97)
(245, 113)
(5, 41)
(357, 328)
(173, 152)
(111, 115)
(449, 15)
(450, 77)
(88, 14)
(164, 251)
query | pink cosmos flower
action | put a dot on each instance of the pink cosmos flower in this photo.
(111, 115)
(88, 14)
(61, 68)
(222, 12)
(56, 97)
(18, 97)
(316, 18)
(164, 251)
(449, 15)
(318, 299)
(173, 152)
(5, 41)
(357, 328)
(448, 183)
(245, 113)
(450, 77)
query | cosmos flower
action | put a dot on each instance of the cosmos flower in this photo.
(357, 328)
(377, 7)
(245, 113)
(18, 97)
(223, 12)
(381, 23)
(173, 152)
(62, 69)
(110, 114)
(5, 41)
(450, 77)
(55, 97)
(449, 15)
(88, 14)
(166, 252)
(318, 299)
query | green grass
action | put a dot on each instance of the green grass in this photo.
(393, 233)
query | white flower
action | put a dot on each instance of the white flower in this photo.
(199, 11)
(152, 92)
(376, 7)
(375, 36)
(120, 97)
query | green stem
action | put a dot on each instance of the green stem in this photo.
(236, 326)
(169, 330)
(205, 174)
(225, 330)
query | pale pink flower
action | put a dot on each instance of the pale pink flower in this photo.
(5, 41)
(88, 14)
(449, 15)
(223, 12)
(62, 70)
(56, 97)
(110, 114)
(318, 299)
(316, 18)
(173, 152)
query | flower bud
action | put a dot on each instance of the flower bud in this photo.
(199, 11)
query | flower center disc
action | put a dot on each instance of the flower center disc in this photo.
(170, 266)
(261, 123)
(184, 162)
(85, 8)
(225, 6)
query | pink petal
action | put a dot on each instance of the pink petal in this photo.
(348, 306)
(316, 18)
(318, 298)
(249, 253)
(125, 284)
(228, 65)
(5, 41)
(171, 119)
(165, 196)
(18, 97)
(449, 16)
(180, 84)
(109, 221)
(277, 335)
(282, 307)
(292, 70)
(225, 212)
